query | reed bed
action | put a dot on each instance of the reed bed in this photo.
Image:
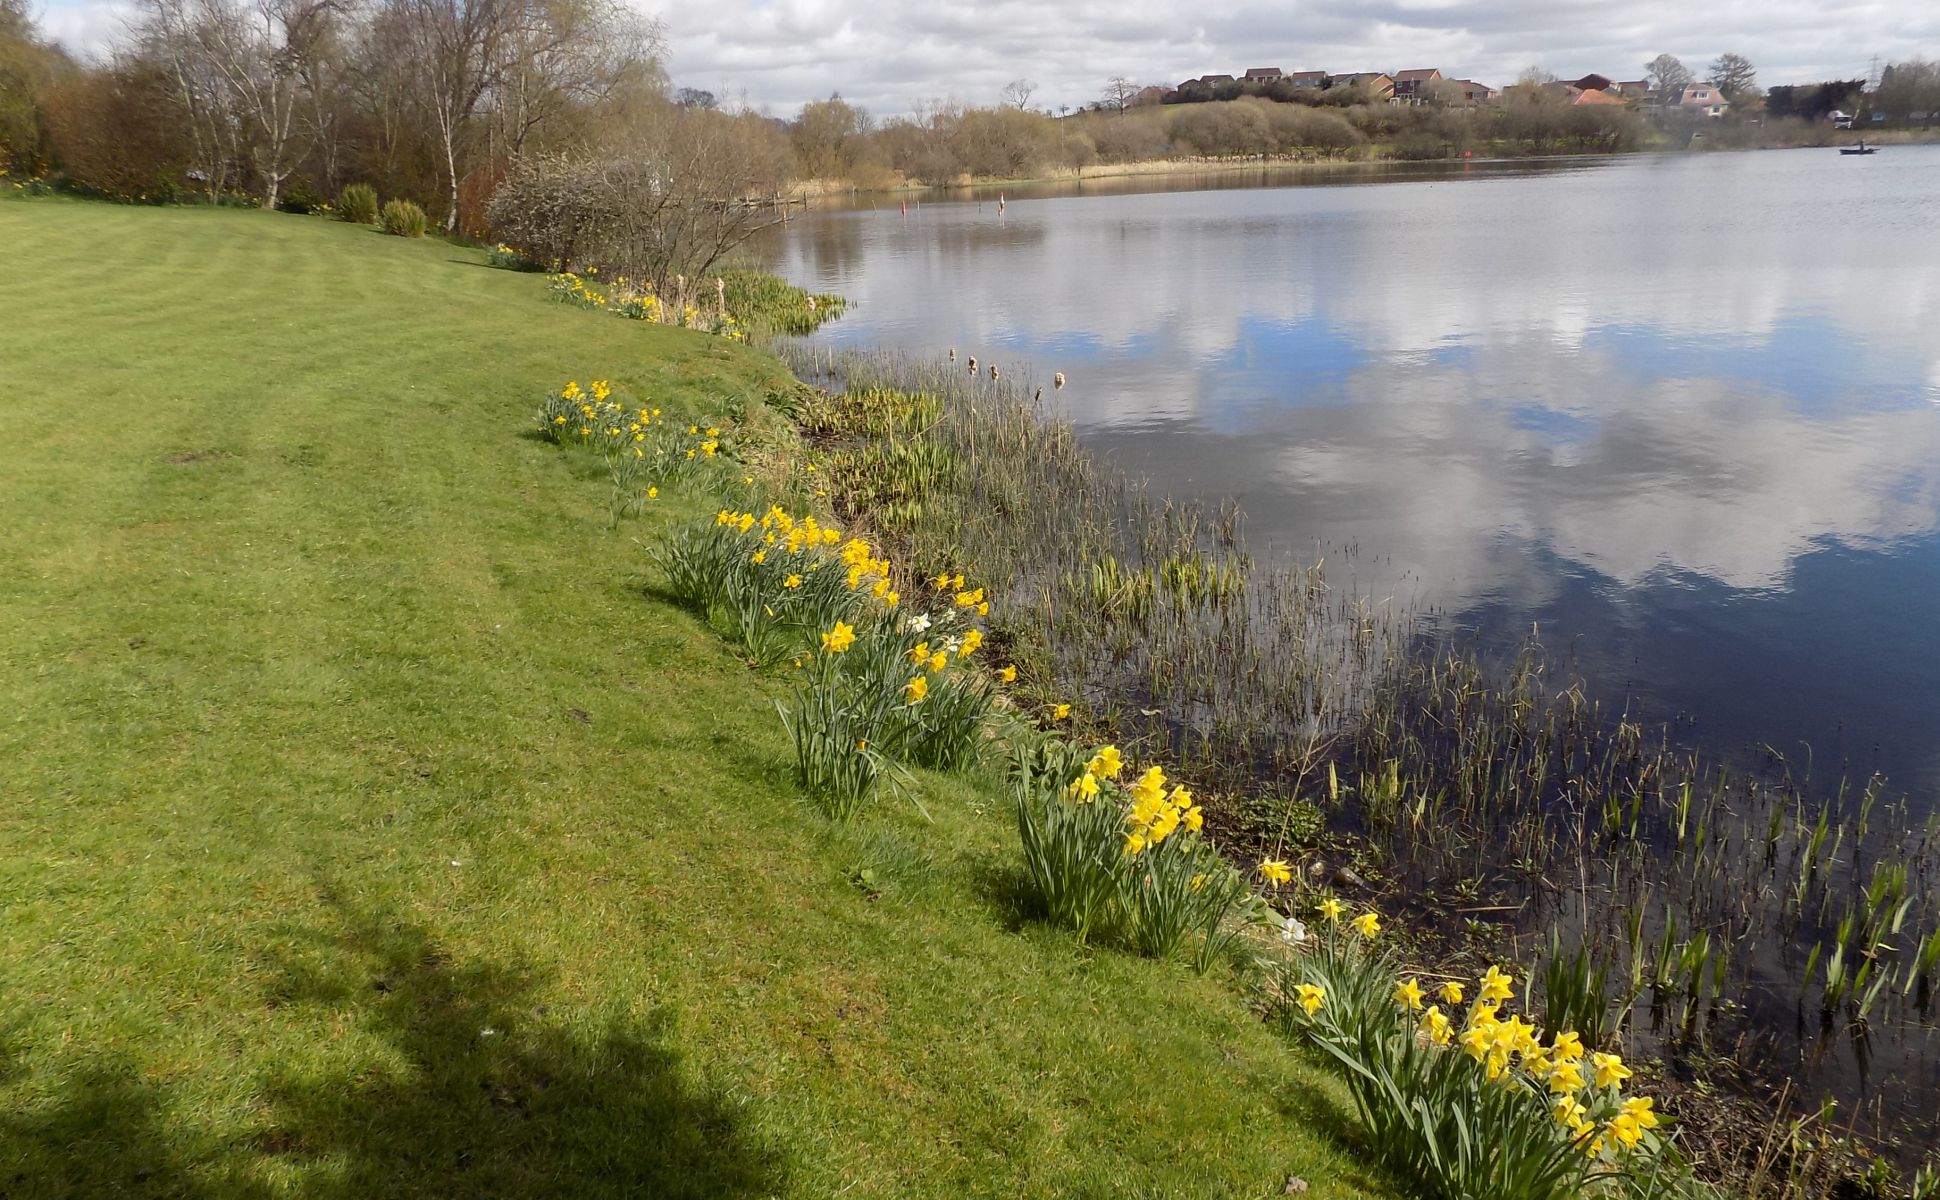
(1735, 920)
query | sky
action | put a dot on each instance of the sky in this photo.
(894, 56)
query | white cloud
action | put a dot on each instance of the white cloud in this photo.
(891, 56)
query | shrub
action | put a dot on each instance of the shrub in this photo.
(358, 203)
(403, 218)
(1474, 1104)
(299, 197)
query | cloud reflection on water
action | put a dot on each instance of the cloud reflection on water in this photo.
(1666, 380)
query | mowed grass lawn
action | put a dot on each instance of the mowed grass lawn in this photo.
(368, 829)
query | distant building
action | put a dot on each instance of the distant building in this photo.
(1213, 81)
(1463, 91)
(1593, 83)
(1147, 95)
(1308, 79)
(1378, 84)
(1263, 75)
(1704, 98)
(1409, 86)
(1595, 96)
(1631, 89)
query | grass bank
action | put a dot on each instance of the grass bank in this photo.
(372, 828)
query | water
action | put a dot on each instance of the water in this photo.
(1681, 413)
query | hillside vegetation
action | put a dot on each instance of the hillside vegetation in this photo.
(374, 827)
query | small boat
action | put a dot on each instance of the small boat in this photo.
(1861, 148)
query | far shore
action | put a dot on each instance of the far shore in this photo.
(812, 189)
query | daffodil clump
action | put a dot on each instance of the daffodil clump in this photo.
(512, 259)
(883, 678)
(644, 450)
(1113, 854)
(1472, 1099)
(570, 288)
(636, 300)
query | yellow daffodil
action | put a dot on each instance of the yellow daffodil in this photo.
(1624, 1130)
(1331, 909)
(1106, 764)
(1496, 985)
(653, 493)
(1609, 1069)
(1450, 992)
(1310, 996)
(1566, 1047)
(1570, 1114)
(1566, 1078)
(758, 557)
(1368, 925)
(1060, 712)
(1475, 1040)
(1007, 675)
(917, 688)
(971, 641)
(1276, 872)
(1084, 788)
(1195, 818)
(792, 582)
(920, 652)
(839, 639)
(1639, 1109)
(1408, 994)
(939, 660)
(1134, 843)
(1438, 1027)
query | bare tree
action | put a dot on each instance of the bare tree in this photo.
(171, 34)
(1667, 76)
(1119, 92)
(1735, 76)
(456, 52)
(563, 56)
(1017, 93)
(259, 49)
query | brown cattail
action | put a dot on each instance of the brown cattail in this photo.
(953, 354)
(973, 364)
(993, 372)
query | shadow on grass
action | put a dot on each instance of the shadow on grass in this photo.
(439, 1078)
(104, 1136)
(481, 1094)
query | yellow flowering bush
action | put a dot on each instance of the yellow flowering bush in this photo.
(1107, 855)
(1472, 1102)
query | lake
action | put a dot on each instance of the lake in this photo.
(1680, 413)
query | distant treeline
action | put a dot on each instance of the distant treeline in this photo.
(835, 140)
(283, 102)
